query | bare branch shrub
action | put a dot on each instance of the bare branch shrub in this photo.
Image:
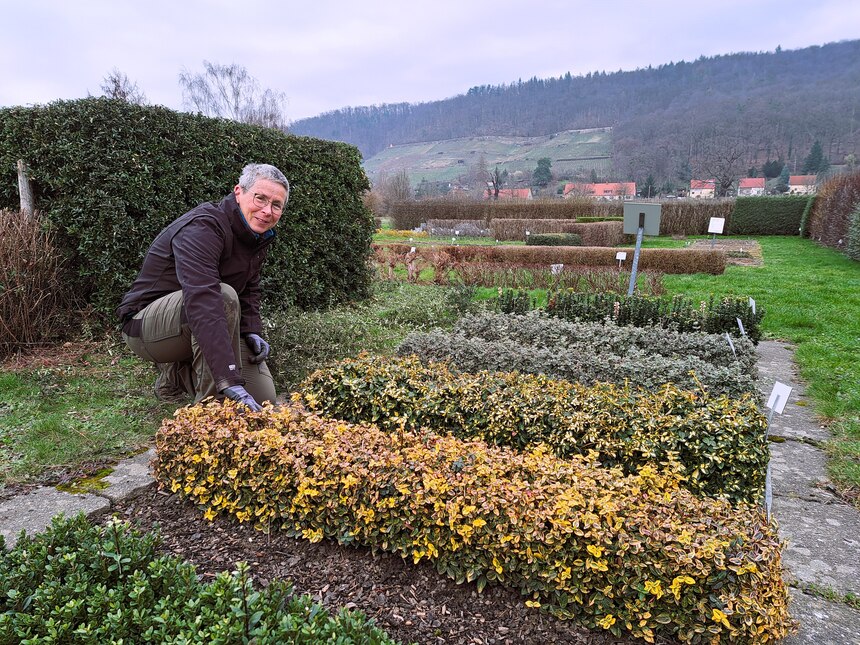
(31, 297)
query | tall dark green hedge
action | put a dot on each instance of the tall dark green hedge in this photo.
(768, 215)
(109, 175)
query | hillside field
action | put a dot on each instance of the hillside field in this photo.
(572, 151)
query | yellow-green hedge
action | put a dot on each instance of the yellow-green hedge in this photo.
(624, 553)
(720, 442)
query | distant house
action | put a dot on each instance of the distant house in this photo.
(749, 186)
(801, 184)
(616, 190)
(510, 193)
(703, 188)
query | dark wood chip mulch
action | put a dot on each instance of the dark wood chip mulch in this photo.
(413, 603)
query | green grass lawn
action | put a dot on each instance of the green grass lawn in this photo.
(71, 414)
(811, 296)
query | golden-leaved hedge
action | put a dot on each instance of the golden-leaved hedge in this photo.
(719, 442)
(632, 553)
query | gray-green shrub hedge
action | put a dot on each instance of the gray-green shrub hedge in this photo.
(580, 364)
(109, 175)
(539, 330)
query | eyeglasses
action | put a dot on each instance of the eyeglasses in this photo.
(261, 201)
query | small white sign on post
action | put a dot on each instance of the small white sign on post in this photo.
(741, 327)
(731, 344)
(555, 269)
(413, 250)
(716, 225)
(621, 256)
(779, 397)
(752, 305)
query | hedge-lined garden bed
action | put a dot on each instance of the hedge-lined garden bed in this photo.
(719, 443)
(632, 554)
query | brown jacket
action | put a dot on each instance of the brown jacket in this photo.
(208, 245)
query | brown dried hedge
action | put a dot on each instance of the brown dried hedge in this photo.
(669, 261)
(831, 214)
(691, 216)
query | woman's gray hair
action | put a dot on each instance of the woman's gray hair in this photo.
(253, 172)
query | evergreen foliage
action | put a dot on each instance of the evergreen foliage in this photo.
(768, 215)
(109, 175)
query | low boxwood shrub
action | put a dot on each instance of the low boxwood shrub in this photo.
(554, 239)
(634, 554)
(716, 316)
(79, 583)
(539, 330)
(579, 363)
(719, 442)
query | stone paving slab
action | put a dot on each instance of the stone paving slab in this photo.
(33, 511)
(129, 478)
(798, 470)
(822, 622)
(823, 542)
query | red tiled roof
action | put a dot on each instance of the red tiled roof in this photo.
(751, 182)
(703, 184)
(601, 190)
(801, 180)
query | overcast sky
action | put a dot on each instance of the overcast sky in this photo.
(328, 54)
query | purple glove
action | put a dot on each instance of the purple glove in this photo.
(240, 395)
(259, 348)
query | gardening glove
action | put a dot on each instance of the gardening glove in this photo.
(259, 348)
(240, 395)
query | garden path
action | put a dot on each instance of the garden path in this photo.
(822, 554)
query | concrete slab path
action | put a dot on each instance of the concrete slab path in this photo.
(822, 532)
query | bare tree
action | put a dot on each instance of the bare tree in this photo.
(230, 92)
(117, 85)
(724, 158)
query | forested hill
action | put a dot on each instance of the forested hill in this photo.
(761, 105)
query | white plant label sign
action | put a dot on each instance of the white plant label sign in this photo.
(752, 305)
(716, 225)
(779, 397)
(621, 256)
(731, 344)
(555, 269)
(741, 327)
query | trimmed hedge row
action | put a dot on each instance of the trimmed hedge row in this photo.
(581, 364)
(109, 175)
(768, 215)
(412, 213)
(670, 261)
(692, 216)
(593, 234)
(629, 554)
(539, 330)
(554, 239)
(679, 313)
(79, 583)
(719, 442)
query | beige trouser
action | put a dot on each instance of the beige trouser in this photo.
(168, 342)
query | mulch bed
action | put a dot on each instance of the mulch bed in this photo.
(745, 253)
(413, 603)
